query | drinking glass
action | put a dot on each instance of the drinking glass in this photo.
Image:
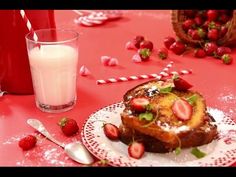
(53, 62)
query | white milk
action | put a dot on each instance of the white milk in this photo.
(53, 69)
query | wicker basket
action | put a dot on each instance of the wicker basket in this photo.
(177, 18)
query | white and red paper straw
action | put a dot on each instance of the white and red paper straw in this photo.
(163, 73)
(144, 76)
(28, 24)
(93, 18)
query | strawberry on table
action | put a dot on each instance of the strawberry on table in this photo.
(111, 131)
(178, 47)
(182, 109)
(222, 50)
(137, 40)
(27, 142)
(139, 104)
(181, 84)
(168, 41)
(199, 53)
(136, 150)
(144, 54)
(210, 48)
(162, 53)
(100, 163)
(227, 59)
(68, 126)
(146, 44)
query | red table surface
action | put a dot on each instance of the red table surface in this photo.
(216, 82)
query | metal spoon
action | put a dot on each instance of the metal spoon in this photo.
(75, 150)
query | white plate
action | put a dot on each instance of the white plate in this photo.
(220, 152)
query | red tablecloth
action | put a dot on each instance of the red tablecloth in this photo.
(216, 82)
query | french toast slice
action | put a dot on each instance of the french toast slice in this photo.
(196, 137)
(166, 131)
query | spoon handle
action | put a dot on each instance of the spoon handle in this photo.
(36, 124)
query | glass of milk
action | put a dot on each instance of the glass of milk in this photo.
(53, 63)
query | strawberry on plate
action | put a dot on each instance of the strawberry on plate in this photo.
(181, 84)
(182, 109)
(27, 142)
(111, 131)
(139, 104)
(68, 126)
(136, 150)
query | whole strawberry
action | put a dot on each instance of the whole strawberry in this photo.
(223, 31)
(198, 21)
(187, 24)
(212, 15)
(100, 163)
(199, 53)
(178, 47)
(144, 54)
(146, 44)
(162, 53)
(227, 59)
(198, 34)
(68, 126)
(168, 41)
(137, 40)
(27, 142)
(224, 18)
(222, 50)
(210, 48)
(213, 34)
(181, 84)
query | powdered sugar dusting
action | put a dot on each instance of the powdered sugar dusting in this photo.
(45, 153)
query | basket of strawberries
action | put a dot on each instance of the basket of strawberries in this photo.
(199, 26)
(203, 29)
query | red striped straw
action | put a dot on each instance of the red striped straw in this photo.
(144, 76)
(163, 73)
(28, 24)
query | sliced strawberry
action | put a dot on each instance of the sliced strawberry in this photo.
(181, 84)
(111, 131)
(182, 109)
(136, 150)
(139, 104)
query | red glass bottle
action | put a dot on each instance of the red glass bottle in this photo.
(15, 77)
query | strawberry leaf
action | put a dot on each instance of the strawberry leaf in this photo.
(192, 99)
(165, 90)
(178, 150)
(147, 116)
(62, 122)
(149, 107)
(198, 153)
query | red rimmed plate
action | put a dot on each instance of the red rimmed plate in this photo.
(220, 152)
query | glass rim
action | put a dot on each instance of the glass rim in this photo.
(76, 36)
